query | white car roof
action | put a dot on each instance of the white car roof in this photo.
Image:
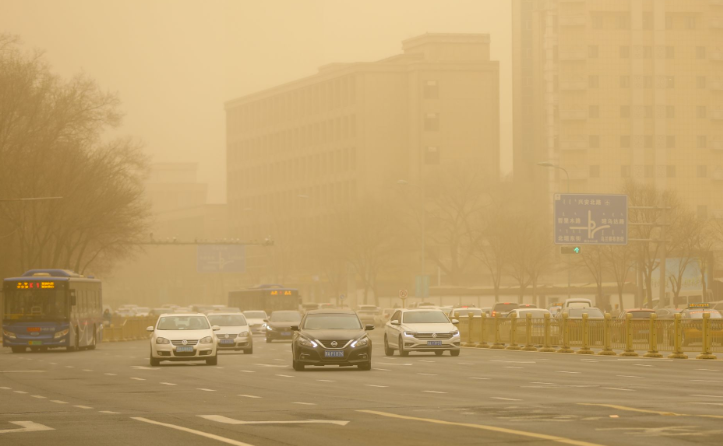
(225, 314)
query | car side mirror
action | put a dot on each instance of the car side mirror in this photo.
(215, 328)
(150, 328)
(369, 327)
(455, 321)
(396, 323)
(294, 328)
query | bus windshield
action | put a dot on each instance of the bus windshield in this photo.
(35, 304)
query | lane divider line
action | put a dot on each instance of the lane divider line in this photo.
(192, 431)
(655, 412)
(250, 396)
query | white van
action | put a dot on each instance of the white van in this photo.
(576, 302)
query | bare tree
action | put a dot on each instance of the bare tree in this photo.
(619, 262)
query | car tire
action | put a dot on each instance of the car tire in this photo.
(402, 352)
(387, 349)
(297, 366)
(439, 352)
(268, 341)
(212, 361)
(18, 349)
(248, 351)
(365, 366)
(454, 352)
(155, 362)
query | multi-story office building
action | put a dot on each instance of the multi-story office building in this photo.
(620, 89)
(298, 150)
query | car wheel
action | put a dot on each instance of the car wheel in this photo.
(297, 366)
(212, 361)
(155, 362)
(439, 352)
(402, 352)
(367, 366)
(248, 351)
(454, 352)
(387, 349)
(268, 341)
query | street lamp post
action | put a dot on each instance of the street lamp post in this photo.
(424, 230)
(555, 166)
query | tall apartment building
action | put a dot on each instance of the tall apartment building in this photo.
(352, 130)
(619, 89)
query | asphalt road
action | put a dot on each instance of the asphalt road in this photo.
(111, 396)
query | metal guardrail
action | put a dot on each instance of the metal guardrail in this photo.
(607, 336)
(128, 329)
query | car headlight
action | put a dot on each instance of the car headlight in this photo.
(307, 342)
(206, 340)
(62, 333)
(410, 333)
(162, 341)
(10, 334)
(243, 334)
(361, 342)
(268, 327)
(454, 333)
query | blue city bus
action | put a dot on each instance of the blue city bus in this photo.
(52, 308)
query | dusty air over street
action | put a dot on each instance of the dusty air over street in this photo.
(317, 222)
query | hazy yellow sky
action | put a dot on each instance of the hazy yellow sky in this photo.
(174, 63)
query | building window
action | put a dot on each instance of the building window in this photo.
(700, 82)
(671, 171)
(431, 122)
(594, 111)
(431, 155)
(625, 81)
(702, 171)
(670, 142)
(431, 90)
(702, 112)
(702, 212)
(670, 111)
(700, 52)
(625, 171)
(625, 141)
(594, 171)
(593, 81)
(702, 141)
(649, 171)
(624, 52)
(592, 51)
(594, 141)
(624, 111)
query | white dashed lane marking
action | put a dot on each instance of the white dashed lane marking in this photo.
(618, 388)
(565, 371)
(432, 391)
(207, 390)
(305, 404)
(138, 379)
(250, 396)
(382, 370)
(83, 407)
(376, 385)
(108, 411)
(503, 399)
(168, 384)
(285, 376)
(110, 374)
(58, 402)
(326, 381)
(627, 376)
(19, 391)
(38, 396)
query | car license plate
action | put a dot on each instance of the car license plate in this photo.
(227, 341)
(184, 348)
(285, 333)
(434, 342)
(334, 354)
(35, 342)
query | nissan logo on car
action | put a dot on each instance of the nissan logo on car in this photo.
(334, 343)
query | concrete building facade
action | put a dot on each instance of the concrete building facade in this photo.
(620, 89)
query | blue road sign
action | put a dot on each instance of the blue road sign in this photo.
(221, 259)
(591, 219)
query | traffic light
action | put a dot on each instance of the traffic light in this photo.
(570, 250)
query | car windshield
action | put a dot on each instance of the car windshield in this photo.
(183, 323)
(285, 316)
(227, 320)
(506, 307)
(591, 312)
(698, 314)
(35, 304)
(255, 314)
(425, 317)
(332, 322)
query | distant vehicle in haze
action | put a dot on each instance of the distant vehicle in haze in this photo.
(142, 311)
(502, 308)
(457, 313)
(383, 316)
(521, 313)
(576, 302)
(125, 312)
(182, 310)
(592, 313)
(265, 297)
(421, 330)
(50, 308)
(159, 311)
(367, 313)
(234, 334)
(183, 337)
(205, 309)
(278, 326)
(327, 306)
(308, 306)
(256, 320)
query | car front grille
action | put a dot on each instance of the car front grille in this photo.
(339, 343)
(430, 336)
(226, 336)
(188, 342)
(184, 353)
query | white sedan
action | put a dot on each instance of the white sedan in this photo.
(234, 334)
(183, 337)
(421, 330)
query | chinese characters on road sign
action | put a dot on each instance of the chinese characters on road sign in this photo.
(591, 219)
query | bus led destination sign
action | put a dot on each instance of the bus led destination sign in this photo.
(35, 285)
(279, 293)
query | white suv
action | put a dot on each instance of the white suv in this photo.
(421, 330)
(183, 337)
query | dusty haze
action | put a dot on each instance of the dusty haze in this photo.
(174, 63)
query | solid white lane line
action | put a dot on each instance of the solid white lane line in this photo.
(19, 391)
(285, 376)
(432, 391)
(250, 396)
(382, 370)
(705, 381)
(206, 390)
(6, 388)
(38, 397)
(305, 404)
(503, 399)
(110, 374)
(226, 420)
(108, 411)
(376, 385)
(708, 404)
(618, 388)
(83, 407)
(58, 402)
(643, 365)
(512, 367)
(138, 379)
(168, 384)
(191, 431)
